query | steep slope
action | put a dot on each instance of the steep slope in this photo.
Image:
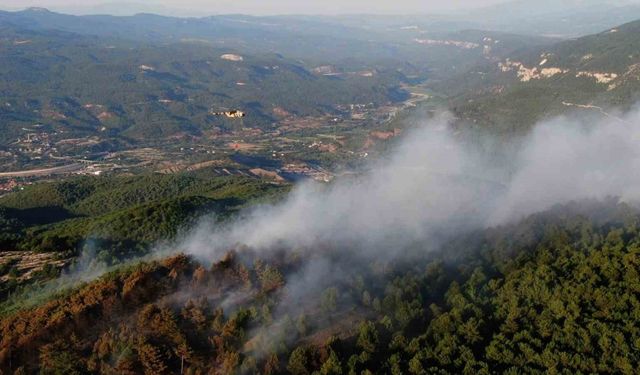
(592, 73)
(556, 292)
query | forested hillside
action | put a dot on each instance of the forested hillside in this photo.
(113, 219)
(556, 292)
(85, 86)
(592, 74)
(61, 214)
(318, 195)
(148, 78)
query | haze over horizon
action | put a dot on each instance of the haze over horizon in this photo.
(252, 7)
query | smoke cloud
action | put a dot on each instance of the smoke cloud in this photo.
(437, 183)
(566, 160)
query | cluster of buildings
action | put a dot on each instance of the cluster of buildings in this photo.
(34, 143)
(230, 114)
(305, 170)
(9, 186)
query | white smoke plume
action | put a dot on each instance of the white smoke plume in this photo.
(436, 184)
(566, 160)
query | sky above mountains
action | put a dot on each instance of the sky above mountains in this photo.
(491, 11)
(198, 7)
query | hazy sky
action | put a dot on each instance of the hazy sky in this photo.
(196, 7)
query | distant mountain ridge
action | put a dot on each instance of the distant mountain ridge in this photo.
(55, 60)
(151, 77)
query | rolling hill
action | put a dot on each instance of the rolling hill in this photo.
(116, 218)
(93, 86)
(314, 39)
(556, 292)
(144, 79)
(568, 19)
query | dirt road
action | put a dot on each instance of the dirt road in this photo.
(44, 172)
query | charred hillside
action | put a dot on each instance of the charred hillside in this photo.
(554, 292)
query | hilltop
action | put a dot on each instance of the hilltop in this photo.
(555, 292)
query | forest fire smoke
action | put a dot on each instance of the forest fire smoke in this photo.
(437, 184)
